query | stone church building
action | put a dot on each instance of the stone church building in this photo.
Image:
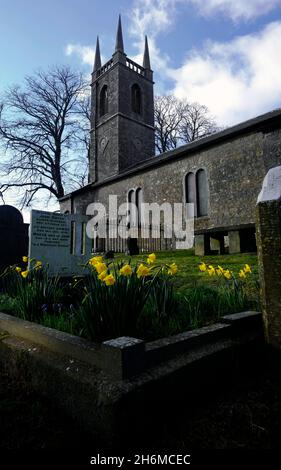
(221, 174)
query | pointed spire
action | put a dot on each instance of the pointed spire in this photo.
(146, 59)
(97, 64)
(119, 47)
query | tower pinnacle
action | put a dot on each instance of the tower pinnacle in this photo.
(97, 64)
(119, 47)
(146, 58)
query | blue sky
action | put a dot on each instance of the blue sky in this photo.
(221, 53)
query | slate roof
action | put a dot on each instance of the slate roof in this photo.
(264, 123)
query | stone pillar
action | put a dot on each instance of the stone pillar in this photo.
(234, 242)
(202, 244)
(269, 253)
(215, 245)
(123, 357)
(199, 245)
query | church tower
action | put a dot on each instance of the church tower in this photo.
(122, 115)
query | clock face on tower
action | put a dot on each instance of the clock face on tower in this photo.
(103, 144)
(137, 143)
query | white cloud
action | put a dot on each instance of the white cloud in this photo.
(157, 15)
(237, 79)
(151, 16)
(85, 53)
(236, 9)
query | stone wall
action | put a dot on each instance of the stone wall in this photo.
(235, 169)
(235, 172)
(108, 387)
(269, 251)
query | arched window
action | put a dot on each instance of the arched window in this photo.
(103, 101)
(190, 194)
(131, 196)
(136, 99)
(190, 188)
(131, 209)
(135, 198)
(196, 192)
(138, 205)
(201, 193)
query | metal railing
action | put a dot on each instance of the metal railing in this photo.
(148, 238)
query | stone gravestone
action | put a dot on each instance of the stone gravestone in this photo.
(132, 244)
(60, 241)
(269, 253)
(13, 237)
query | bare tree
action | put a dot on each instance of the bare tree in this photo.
(168, 114)
(196, 123)
(43, 131)
(178, 122)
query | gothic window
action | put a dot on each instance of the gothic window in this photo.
(136, 99)
(131, 196)
(201, 193)
(131, 213)
(190, 193)
(135, 198)
(190, 188)
(196, 192)
(104, 100)
(138, 205)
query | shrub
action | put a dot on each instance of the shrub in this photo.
(118, 299)
(163, 309)
(117, 294)
(63, 321)
(233, 288)
(7, 304)
(32, 290)
(201, 305)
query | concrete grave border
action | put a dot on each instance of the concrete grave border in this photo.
(108, 387)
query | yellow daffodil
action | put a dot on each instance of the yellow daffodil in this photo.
(38, 265)
(25, 259)
(102, 275)
(18, 269)
(96, 259)
(151, 258)
(100, 267)
(24, 273)
(109, 280)
(143, 271)
(242, 274)
(227, 274)
(247, 269)
(172, 269)
(126, 270)
(203, 267)
(211, 271)
(219, 272)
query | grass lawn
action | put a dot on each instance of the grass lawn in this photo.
(189, 275)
